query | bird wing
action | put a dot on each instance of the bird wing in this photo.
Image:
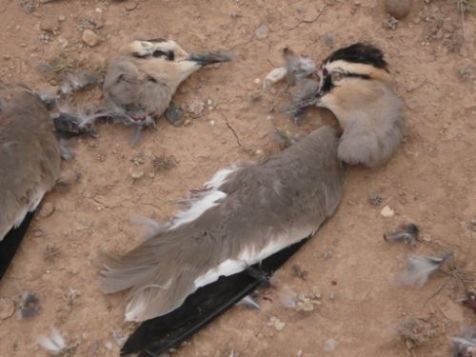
(243, 215)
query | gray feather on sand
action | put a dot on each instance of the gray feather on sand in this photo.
(465, 343)
(419, 269)
(55, 344)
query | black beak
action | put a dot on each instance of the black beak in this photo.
(206, 58)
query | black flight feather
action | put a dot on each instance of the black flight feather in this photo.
(10, 243)
(157, 335)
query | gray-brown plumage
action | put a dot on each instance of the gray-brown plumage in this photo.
(243, 215)
(29, 154)
(141, 81)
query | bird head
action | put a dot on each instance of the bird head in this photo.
(356, 86)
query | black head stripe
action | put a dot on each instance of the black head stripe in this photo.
(155, 40)
(357, 75)
(327, 84)
(168, 55)
(359, 53)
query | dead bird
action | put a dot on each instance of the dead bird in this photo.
(29, 164)
(141, 81)
(421, 267)
(356, 86)
(407, 233)
(243, 215)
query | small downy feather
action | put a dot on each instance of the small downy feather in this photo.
(407, 233)
(420, 268)
(464, 345)
(54, 343)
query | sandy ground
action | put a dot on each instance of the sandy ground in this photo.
(348, 269)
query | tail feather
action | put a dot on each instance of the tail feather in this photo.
(157, 335)
(157, 273)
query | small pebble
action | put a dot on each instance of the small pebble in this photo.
(108, 345)
(136, 174)
(49, 25)
(276, 323)
(399, 9)
(330, 345)
(262, 32)
(29, 6)
(387, 212)
(7, 308)
(196, 108)
(90, 38)
(47, 209)
(131, 6)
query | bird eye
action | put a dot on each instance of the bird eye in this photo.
(151, 79)
(337, 76)
(120, 78)
(159, 53)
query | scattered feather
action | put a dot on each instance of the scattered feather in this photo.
(29, 305)
(297, 67)
(283, 138)
(420, 268)
(249, 302)
(54, 343)
(304, 96)
(407, 233)
(464, 345)
(78, 81)
(151, 226)
(119, 337)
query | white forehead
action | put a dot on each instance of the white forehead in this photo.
(147, 48)
(144, 48)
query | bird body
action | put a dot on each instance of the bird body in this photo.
(247, 213)
(243, 215)
(29, 159)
